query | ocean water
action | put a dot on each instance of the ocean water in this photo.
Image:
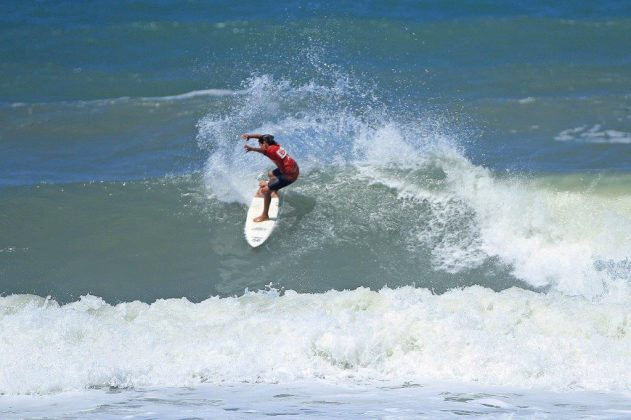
(458, 243)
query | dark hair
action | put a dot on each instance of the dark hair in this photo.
(267, 138)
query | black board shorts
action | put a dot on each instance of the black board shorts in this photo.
(279, 181)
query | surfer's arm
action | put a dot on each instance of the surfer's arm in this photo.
(253, 149)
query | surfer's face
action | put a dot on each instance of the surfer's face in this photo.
(263, 145)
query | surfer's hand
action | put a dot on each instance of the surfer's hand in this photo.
(247, 148)
(245, 136)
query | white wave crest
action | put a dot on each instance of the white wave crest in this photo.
(195, 94)
(594, 134)
(550, 237)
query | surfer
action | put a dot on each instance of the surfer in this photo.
(286, 173)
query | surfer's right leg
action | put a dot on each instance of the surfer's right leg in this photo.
(267, 199)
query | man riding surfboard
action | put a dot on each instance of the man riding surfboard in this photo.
(286, 173)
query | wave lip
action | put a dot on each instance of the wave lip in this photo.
(511, 338)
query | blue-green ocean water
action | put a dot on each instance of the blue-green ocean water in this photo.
(444, 146)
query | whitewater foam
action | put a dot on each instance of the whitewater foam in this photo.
(549, 236)
(511, 338)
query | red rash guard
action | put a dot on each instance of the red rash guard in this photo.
(286, 164)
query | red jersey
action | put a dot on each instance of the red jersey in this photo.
(286, 164)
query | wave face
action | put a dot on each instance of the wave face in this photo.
(389, 195)
(513, 338)
(398, 189)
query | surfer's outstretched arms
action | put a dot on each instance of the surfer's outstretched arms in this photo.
(286, 173)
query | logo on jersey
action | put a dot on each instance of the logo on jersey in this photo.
(282, 153)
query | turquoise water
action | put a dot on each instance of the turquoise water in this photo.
(465, 172)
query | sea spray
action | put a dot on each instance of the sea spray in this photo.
(463, 215)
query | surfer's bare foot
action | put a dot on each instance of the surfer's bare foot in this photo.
(261, 218)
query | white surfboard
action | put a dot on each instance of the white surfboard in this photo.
(257, 233)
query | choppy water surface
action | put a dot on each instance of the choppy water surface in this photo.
(458, 242)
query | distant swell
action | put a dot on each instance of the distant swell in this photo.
(167, 98)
